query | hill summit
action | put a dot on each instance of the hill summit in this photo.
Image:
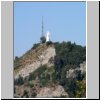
(51, 70)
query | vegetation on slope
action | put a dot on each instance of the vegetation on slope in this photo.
(68, 56)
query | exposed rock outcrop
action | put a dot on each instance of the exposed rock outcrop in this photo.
(72, 73)
(41, 59)
(49, 92)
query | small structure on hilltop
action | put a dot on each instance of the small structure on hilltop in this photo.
(47, 36)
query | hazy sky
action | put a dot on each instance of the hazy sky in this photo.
(66, 21)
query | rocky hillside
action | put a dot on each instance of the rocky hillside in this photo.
(33, 60)
(51, 70)
(50, 92)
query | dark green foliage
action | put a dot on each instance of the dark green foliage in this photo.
(54, 77)
(42, 77)
(62, 96)
(14, 89)
(70, 53)
(25, 94)
(35, 46)
(41, 69)
(80, 76)
(30, 84)
(43, 82)
(33, 94)
(75, 88)
(68, 56)
(19, 81)
(37, 73)
(16, 62)
(70, 87)
(43, 39)
(16, 58)
(31, 76)
(48, 43)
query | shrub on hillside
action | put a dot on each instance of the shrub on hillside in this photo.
(19, 81)
(48, 43)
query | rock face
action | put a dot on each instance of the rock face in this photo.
(72, 73)
(42, 59)
(49, 92)
(83, 67)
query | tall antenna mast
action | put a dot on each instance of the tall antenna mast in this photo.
(42, 27)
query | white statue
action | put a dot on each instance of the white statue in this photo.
(48, 36)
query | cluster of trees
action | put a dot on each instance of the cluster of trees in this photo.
(69, 56)
(70, 53)
(40, 75)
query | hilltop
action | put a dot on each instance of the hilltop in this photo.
(51, 70)
(33, 59)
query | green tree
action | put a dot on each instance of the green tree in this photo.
(19, 81)
(16, 58)
(25, 94)
(35, 46)
(81, 89)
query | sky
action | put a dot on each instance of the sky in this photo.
(66, 21)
